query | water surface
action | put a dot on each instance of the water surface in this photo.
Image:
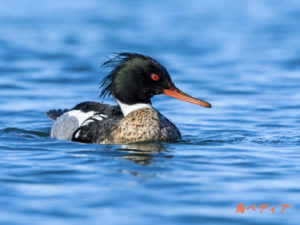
(243, 57)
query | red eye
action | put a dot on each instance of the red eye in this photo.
(154, 77)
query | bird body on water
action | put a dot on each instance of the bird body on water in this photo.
(134, 80)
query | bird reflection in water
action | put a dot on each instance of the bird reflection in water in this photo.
(142, 153)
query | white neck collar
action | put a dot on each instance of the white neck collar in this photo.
(126, 109)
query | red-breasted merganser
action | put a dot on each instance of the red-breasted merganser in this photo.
(134, 80)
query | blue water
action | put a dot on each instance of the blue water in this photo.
(241, 56)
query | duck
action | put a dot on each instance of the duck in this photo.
(133, 80)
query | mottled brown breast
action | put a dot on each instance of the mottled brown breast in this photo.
(142, 125)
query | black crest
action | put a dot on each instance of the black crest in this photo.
(117, 62)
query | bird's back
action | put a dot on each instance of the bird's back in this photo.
(91, 122)
(83, 116)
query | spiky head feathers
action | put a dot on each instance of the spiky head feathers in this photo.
(135, 78)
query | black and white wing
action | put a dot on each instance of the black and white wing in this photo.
(85, 118)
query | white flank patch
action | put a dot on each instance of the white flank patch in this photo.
(77, 134)
(126, 109)
(92, 119)
(100, 117)
(87, 122)
(105, 116)
(80, 116)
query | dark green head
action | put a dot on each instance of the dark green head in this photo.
(136, 78)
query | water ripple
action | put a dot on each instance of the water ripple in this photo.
(243, 58)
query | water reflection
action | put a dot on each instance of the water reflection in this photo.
(142, 153)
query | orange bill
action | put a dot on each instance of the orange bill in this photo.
(176, 93)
